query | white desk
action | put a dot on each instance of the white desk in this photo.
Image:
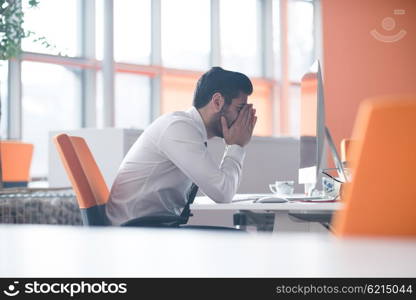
(61, 251)
(204, 203)
(282, 220)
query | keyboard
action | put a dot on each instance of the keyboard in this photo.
(294, 197)
(308, 198)
(248, 197)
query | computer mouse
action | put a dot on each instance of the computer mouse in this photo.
(271, 199)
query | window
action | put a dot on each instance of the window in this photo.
(132, 101)
(240, 38)
(132, 29)
(56, 88)
(294, 112)
(65, 17)
(186, 34)
(99, 29)
(3, 96)
(276, 39)
(301, 39)
(50, 101)
(262, 102)
(177, 92)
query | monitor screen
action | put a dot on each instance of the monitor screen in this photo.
(312, 125)
(313, 131)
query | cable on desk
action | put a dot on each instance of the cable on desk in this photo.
(327, 226)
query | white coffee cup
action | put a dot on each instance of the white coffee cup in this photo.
(330, 187)
(285, 187)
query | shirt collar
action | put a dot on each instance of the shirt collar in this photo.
(196, 116)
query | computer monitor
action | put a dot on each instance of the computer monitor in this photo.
(313, 131)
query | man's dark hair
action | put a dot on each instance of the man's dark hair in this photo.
(218, 80)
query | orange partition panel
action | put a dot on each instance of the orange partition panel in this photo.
(356, 65)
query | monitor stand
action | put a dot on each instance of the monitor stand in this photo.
(335, 157)
(309, 176)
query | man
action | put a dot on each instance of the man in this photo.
(170, 158)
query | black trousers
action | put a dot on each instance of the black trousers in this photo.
(172, 222)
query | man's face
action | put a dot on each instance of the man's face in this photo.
(230, 112)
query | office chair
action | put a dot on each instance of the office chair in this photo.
(381, 198)
(92, 192)
(87, 181)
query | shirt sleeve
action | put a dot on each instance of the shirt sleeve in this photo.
(183, 144)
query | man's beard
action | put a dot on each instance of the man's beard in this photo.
(217, 124)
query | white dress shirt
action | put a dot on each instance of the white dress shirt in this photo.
(160, 167)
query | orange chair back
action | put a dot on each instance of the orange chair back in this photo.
(16, 158)
(83, 172)
(381, 199)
